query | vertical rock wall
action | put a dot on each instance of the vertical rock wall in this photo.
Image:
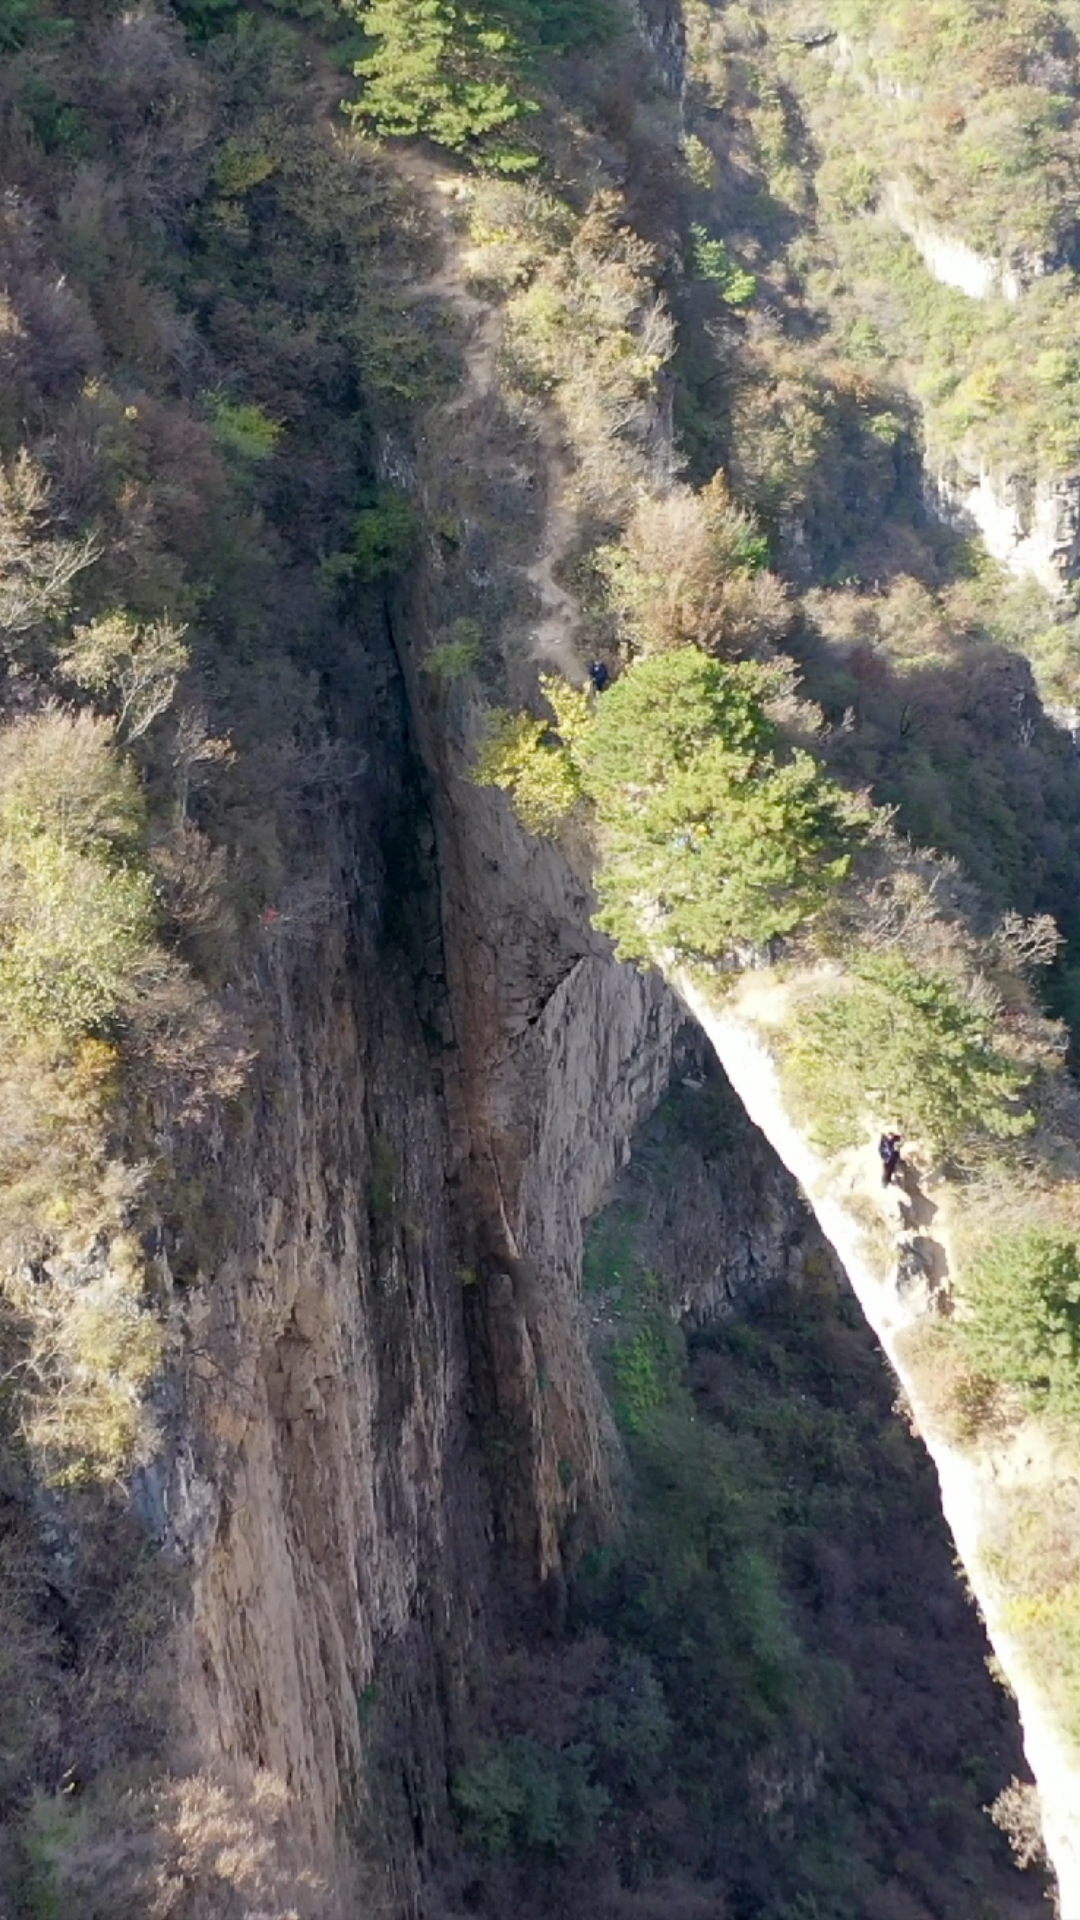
(391, 1394)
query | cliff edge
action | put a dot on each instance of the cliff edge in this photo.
(844, 1192)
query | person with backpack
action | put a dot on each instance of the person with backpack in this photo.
(889, 1152)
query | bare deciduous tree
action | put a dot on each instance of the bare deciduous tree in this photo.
(195, 748)
(36, 572)
(137, 668)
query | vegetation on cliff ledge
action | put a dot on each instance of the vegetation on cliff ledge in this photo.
(711, 838)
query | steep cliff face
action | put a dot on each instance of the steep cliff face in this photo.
(1031, 525)
(949, 258)
(450, 1067)
(663, 26)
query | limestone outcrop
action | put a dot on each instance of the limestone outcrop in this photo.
(953, 260)
(1032, 526)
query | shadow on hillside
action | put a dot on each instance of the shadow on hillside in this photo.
(962, 746)
(922, 1262)
(916, 1209)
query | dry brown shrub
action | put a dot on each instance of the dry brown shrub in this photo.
(156, 101)
(36, 571)
(211, 1846)
(184, 1050)
(82, 1349)
(59, 346)
(90, 220)
(1018, 1815)
(1039, 1550)
(669, 1900)
(194, 879)
(955, 1398)
(54, 1113)
(138, 321)
(29, 1701)
(895, 1902)
(590, 331)
(681, 577)
(61, 770)
(190, 482)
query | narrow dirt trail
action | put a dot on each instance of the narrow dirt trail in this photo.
(915, 1209)
(552, 641)
(444, 193)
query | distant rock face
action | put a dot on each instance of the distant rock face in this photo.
(718, 1219)
(950, 259)
(846, 56)
(663, 28)
(1030, 526)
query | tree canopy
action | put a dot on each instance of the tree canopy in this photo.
(909, 1045)
(1023, 1293)
(711, 836)
(440, 69)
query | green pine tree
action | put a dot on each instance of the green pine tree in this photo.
(442, 70)
(711, 838)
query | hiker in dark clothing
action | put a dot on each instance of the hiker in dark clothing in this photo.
(599, 675)
(889, 1149)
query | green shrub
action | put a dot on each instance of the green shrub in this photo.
(700, 163)
(24, 21)
(519, 1797)
(76, 914)
(242, 165)
(1022, 1290)
(709, 839)
(386, 536)
(60, 775)
(534, 760)
(205, 18)
(73, 930)
(911, 1046)
(644, 1362)
(563, 26)
(58, 127)
(630, 1727)
(713, 262)
(244, 429)
(452, 659)
(659, 718)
